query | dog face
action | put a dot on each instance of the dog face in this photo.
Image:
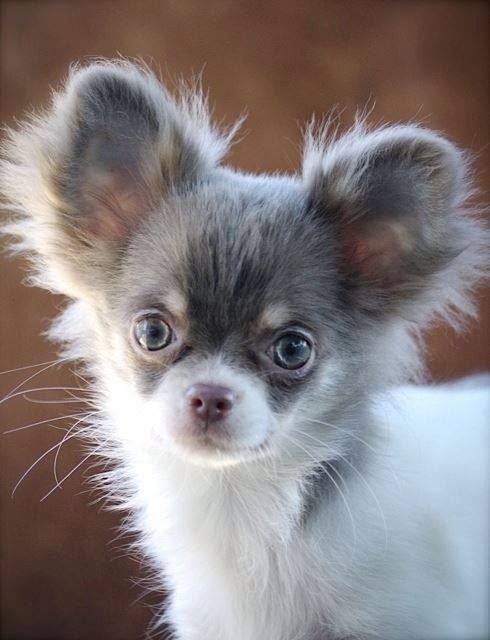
(220, 326)
(232, 315)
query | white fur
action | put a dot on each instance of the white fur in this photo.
(399, 549)
(412, 534)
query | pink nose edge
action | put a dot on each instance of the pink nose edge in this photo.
(209, 402)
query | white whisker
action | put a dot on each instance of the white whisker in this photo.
(77, 374)
(32, 366)
(64, 439)
(11, 393)
(59, 483)
(40, 422)
(10, 396)
(35, 463)
(321, 463)
(61, 401)
(363, 480)
(346, 431)
(359, 439)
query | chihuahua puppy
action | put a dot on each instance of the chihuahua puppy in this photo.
(244, 335)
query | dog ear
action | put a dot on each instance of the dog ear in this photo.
(393, 199)
(81, 178)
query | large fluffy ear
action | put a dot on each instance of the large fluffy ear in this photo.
(80, 178)
(394, 201)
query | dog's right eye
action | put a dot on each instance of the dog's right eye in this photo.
(291, 351)
(153, 333)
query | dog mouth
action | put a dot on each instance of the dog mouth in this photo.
(213, 449)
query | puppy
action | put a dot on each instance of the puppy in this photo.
(244, 335)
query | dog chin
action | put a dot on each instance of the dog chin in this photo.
(208, 453)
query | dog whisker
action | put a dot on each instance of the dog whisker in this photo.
(361, 477)
(11, 393)
(37, 461)
(41, 422)
(59, 401)
(348, 432)
(65, 438)
(23, 392)
(59, 483)
(323, 464)
(218, 320)
(32, 366)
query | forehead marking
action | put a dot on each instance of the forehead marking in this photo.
(176, 303)
(273, 316)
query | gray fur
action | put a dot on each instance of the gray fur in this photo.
(117, 196)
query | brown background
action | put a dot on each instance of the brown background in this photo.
(282, 61)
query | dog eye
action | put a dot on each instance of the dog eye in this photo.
(153, 333)
(291, 351)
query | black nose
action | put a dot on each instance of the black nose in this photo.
(210, 402)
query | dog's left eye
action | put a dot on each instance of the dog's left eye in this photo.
(291, 351)
(153, 333)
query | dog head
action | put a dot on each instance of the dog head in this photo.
(227, 314)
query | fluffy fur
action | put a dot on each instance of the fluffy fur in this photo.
(323, 513)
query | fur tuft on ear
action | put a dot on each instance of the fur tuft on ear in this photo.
(80, 177)
(395, 199)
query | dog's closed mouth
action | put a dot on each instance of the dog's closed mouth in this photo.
(249, 321)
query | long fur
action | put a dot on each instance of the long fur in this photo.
(312, 539)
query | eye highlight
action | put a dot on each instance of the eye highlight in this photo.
(153, 333)
(291, 351)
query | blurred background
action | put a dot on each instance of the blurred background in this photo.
(64, 575)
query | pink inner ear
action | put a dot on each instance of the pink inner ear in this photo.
(112, 204)
(376, 250)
